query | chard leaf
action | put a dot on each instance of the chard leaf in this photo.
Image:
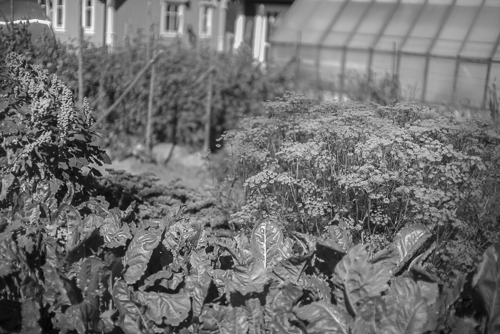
(340, 237)
(151, 280)
(235, 321)
(129, 312)
(319, 287)
(408, 240)
(31, 315)
(211, 318)
(486, 282)
(175, 308)
(360, 278)
(291, 269)
(256, 316)
(138, 254)
(324, 317)
(248, 278)
(280, 322)
(114, 232)
(268, 244)
(372, 316)
(407, 308)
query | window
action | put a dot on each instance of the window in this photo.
(59, 15)
(88, 16)
(206, 21)
(172, 18)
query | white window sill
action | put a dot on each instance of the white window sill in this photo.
(56, 29)
(170, 34)
(205, 36)
(89, 32)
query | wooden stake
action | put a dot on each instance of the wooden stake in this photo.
(149, 144)
(80, 53)
(208, 110)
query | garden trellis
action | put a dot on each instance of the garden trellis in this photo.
(444, 51)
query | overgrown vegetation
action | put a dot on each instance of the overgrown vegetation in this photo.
(356, 220)
(373, 171)
(179, 100)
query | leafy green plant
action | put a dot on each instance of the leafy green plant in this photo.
(372, 171)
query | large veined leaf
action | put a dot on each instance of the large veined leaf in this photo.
(174, 308)
(408, 310)
(129, 311)
(268, 244)
(248, 278)
(114, 232)
(235, 321)
(281, 322)
(255, 316)
(339, 236)
(291, 269)
(138, 254)
(361, 278)
(285, 297)
(211, 317)
(325, 318)
(197, 285)
(408, 241)
(372, 316)
(487, 282)
(31, 315)
(318, 287)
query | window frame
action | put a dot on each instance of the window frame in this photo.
(181, 7)
(208, 11)
(91, 29)
(57, 6)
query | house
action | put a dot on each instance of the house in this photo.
(25, 11)
(252, 22)
(111, 22)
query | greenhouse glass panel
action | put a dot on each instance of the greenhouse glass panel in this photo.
(293, 22)
(398, 26)
(371, 25)
(357, 61)
(471, 83)
(496, 56)
(484, 33)
(495, 76)
(454, 31)
(383, 63)
(425, 29)
(281, 54)
(331, 65)
(411, 76)
(318, 22)
(346, 24)
(440, 80)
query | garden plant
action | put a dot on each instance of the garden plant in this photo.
(352, 218)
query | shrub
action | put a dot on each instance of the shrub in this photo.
(372, 171)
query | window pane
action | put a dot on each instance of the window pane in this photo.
(440, 80)
(293, 21)
(330, 65)
(346, 23)
(319, 19)
(484, 33)
(412, 76)
(59, 16)
(371, 25)
(454, 31)
(398, 26)
(383, 63)
(471, 83)
(425, 29)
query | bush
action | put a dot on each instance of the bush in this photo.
(372, 172)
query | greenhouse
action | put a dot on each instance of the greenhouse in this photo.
(442, 51)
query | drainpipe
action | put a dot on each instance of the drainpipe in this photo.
(110, 23)
(239, 29)
(222, 25)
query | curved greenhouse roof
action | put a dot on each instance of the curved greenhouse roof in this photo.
(441, 50)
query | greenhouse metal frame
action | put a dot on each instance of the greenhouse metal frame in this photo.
(447, 50)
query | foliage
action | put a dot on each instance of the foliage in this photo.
(366, 87)
(179, 100)
(493, 102)
(371, 173)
